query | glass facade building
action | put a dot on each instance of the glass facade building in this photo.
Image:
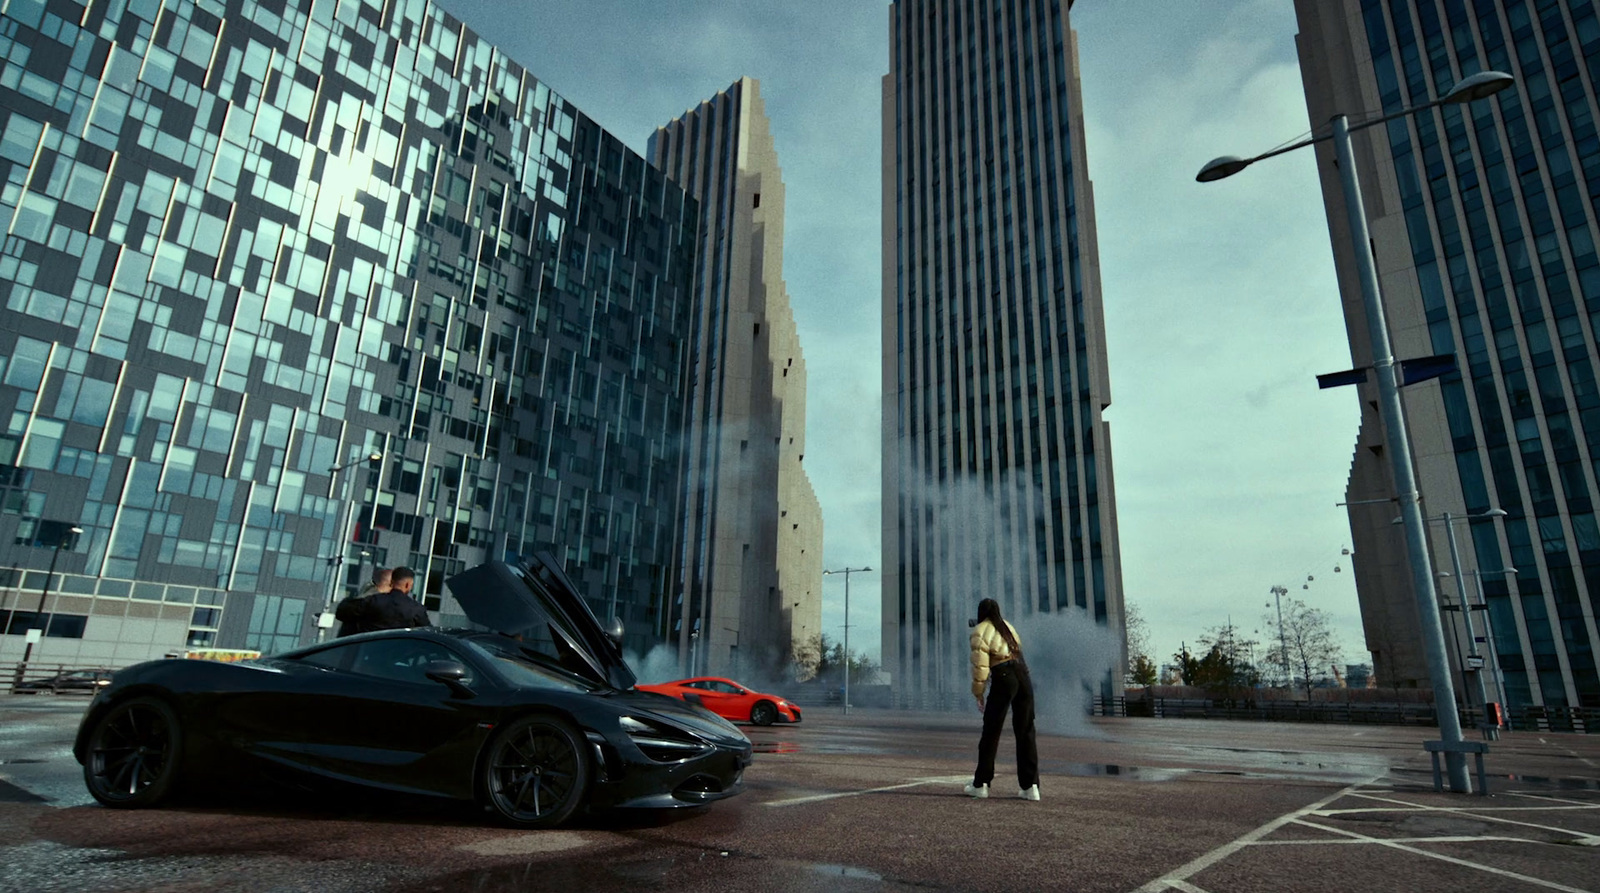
(1484, 224)
(996, 460)
(249, 242)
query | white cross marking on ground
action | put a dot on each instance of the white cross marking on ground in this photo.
(1362, 838)
(1175, 879)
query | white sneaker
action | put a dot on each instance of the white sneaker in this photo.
(978, 792)
(1029, 793)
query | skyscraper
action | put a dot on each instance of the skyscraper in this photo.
(752, 575)
(996, 462)
(1483, 222)
(250, 242)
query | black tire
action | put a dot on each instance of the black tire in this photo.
(764, 713)
(132, 758)
(536, 772)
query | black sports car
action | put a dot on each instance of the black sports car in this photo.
(535, 714)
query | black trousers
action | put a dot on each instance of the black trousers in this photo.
(1009, 688)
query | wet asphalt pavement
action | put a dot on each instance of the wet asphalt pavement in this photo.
(872, 802)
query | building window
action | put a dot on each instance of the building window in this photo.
(275, 623)
(62, 626)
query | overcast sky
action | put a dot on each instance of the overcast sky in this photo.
(1220, 301)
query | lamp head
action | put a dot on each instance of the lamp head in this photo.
(1478, 86)
(374, 456)
(1218, 168)
(1495, 513)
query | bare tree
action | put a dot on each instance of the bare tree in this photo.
(1307, 635)
(1138, 636)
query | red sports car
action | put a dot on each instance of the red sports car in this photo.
(729, 700)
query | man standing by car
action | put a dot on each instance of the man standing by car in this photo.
(396, 609)
(391, 607)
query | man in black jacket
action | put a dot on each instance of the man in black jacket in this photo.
(393, 608)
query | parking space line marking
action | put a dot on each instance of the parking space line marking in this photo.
(1205, 861)
(1481, 813)
(796, 801)
(1529, 879)
(1185, 886)
(1534, 795)
(1472, 809)
(1343, 842)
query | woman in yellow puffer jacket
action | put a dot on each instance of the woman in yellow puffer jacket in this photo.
(997, 660)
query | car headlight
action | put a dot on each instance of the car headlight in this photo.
(662, 743)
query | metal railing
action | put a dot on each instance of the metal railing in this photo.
(1532, 718)
(36, 677)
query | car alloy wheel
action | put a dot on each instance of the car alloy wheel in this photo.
(132, 758)
(536, 771)
(764, 714)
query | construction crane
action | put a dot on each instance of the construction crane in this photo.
(1336, 677)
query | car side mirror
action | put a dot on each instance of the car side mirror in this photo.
(614, 630)
(452, 673)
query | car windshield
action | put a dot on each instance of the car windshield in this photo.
(524, 666)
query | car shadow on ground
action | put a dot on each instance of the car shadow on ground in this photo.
(334, 812)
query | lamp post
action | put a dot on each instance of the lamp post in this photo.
(44, 626)
(1466, 611)
(336, 561)
(847, 571)
(1488, 634)
(1474, 87)
(1278, 592)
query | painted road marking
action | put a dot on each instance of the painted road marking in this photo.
(1584, 839)
(1362, 838)
(1473, 809)
(1344, 842)
(815, 798)
(1176, 878)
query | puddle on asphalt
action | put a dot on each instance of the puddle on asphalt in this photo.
(860, 874)
(1565, 784)
(763, 746)
(1113, 770)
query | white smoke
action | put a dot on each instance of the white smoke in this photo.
(981, 538)
(659, 665)
(1068, 655)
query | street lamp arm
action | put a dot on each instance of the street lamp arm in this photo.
(1472, 87)
(370, 457)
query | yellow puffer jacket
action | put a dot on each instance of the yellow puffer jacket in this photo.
(988, 647)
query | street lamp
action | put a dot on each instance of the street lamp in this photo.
(1488, 634)
(44, 627)
(847, 571)
(336, 561)
(1492, 733)
(1466, 612)
(1278, 592)
(1474, 87)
